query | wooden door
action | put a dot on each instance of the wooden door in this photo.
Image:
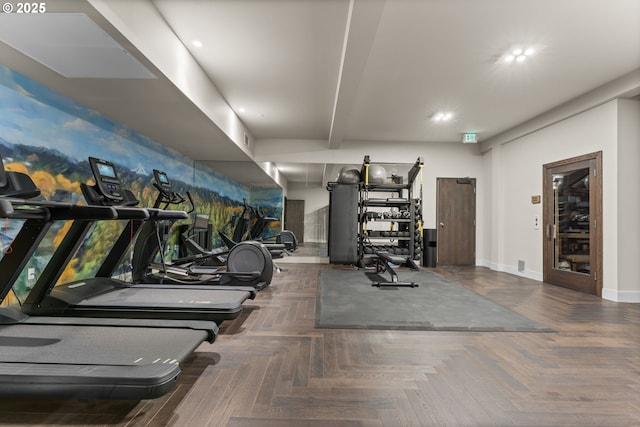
(294, 218)
(572, 219)
(456, 221)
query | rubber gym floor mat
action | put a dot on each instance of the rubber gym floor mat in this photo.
(347, 300)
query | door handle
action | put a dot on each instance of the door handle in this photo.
(442, 224)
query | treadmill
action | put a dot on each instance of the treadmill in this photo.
(76, 357)
(107, 297)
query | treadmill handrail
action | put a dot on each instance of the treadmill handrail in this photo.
(132, 213)
(47, 210)
(79, 212)
(161, 214)
(7, 211)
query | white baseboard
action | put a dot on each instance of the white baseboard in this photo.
(621, 296)
(533, 275)
(483, 263)
(608, 294)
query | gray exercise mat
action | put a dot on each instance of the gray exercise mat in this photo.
(347, 300)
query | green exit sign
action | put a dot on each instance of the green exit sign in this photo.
(469, 138)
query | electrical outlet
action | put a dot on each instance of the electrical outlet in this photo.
(536, 222)
(31, 274)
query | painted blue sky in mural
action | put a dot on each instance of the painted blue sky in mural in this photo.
(267, 197)
(32, 114)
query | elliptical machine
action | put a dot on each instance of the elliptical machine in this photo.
(243, 231)
(259, 227)
(249, 264)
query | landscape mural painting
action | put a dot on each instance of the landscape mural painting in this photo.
(50, 138)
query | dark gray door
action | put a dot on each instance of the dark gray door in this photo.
(294, 218)
(456, 221)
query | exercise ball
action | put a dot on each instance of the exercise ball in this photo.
(349, 175)
(377, 174)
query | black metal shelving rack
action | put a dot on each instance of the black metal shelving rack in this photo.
(404, 211)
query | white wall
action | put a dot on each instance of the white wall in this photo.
(314, 196)
(316, 201)
(488, 249)
(628, 229)
(520, 174)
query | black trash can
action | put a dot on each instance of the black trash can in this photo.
(430, 249)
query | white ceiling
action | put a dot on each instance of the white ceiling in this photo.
(81, 49)
(343, 71)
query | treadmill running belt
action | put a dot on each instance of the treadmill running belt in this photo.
(102, 345)
(106, 297)
(92, 362)
(174, 298)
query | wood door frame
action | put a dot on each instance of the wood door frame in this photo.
(569, 279)
(439, 203)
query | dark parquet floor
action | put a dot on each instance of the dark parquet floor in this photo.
(272, 368)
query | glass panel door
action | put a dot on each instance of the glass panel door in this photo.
(572, 219)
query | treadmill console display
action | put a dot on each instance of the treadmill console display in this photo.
(106, 171)
(106, 179)
(162, 180)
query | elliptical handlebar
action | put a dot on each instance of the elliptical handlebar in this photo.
(191, 203)
(170, 197)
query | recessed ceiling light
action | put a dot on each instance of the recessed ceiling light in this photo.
(197, 43)
(241, 110)
(517, 54)
(442, 116)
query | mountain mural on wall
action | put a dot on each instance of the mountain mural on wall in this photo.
(54, 174)
(50, 137)
(270, 201)
(33, 115)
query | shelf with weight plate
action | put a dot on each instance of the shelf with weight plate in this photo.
(390, 217)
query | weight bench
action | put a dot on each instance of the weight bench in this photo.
(383, 263)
